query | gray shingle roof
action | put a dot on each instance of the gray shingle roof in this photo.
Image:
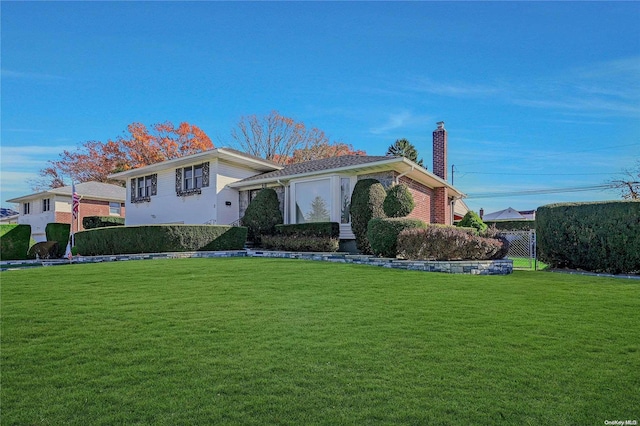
(318, 166)
(94, 189)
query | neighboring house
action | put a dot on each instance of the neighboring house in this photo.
(508, 214)
(8, 216)
(54, 205)
(216, 186)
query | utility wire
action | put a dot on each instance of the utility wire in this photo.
(539, 191)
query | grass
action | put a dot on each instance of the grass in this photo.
(273, 341)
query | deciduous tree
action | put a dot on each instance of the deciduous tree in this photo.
(139, 146)
(628, 183)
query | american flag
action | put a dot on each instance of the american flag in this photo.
(75, 201)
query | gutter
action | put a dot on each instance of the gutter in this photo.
(404, 174)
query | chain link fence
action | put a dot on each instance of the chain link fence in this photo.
(522, 248)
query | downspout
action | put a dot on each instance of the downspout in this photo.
(286, 201)
(404, 174)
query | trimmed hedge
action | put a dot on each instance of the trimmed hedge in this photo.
(598, 237)
(398, 202)
(44, 250)
(314, 236)
(366, 204)
(512, 225)
(14, 241)
(472, 220)
(58, 232)
(159, 238)
(383, 234)
(262, 215)
(92, 222)
(448, 243)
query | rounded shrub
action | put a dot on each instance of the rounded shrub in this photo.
(383, 234)
(366, 204)
(262, 215)
(398, 202)
(472, 220)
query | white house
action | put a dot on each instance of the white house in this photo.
(216, 186)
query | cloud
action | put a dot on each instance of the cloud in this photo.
(451, 89)
(398, 120)
(29, 155)
(30, 75)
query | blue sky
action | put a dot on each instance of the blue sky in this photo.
(534, 95)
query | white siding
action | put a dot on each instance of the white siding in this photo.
(37, 218)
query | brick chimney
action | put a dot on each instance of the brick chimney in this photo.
(440, 151)
(440, 207)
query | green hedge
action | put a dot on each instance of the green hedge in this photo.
(92, 222)
(366, 204)
(512, 225)
(398, 202)
(262, 215)
(383, 234)
(58, 232)
(159, 238)
(598, 237)
(312, 229)
(472, 220)
(14, 241)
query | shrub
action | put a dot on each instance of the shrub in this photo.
(92, 222)
(314, 236)
(262, 215)
(472, 220)
(14, 241)
(366, 204)
(512, 225)
(44, 250)
(599, 237)
(398, 202)
(58, 232)
(159, 238)
(447, 243)
(383, 234)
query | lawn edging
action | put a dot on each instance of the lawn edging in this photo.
(470, 267)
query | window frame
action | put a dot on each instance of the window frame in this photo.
(143, 188)
(26, 208)
(46, 205)
(111, 206)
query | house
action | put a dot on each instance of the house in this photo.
(8, 216)
(216, 186)
(54, 205)
(508, 214)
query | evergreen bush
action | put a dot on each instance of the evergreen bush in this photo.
(366, 204)
(262, 215)
(447, 243)
(14, 241)
(58, 232)
(472, 220)
(383, 234)
(92, 222)
(159, 238)
(598, 236)
(398, 202)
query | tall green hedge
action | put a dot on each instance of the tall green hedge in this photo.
(14, 241)
(58, 232)
(366, 204)
(159, 238)
(92, 222)
(383, 234)
(598, 237)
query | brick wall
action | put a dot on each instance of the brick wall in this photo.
(422, 196)
(440, 151)
(441, 209)
(88, 208)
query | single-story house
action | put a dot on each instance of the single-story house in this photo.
(216, 186)
(8, 216)
(54, 205)
(508, 214)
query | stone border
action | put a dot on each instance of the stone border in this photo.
(470, 267)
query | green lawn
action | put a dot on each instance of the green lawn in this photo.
(273, 341)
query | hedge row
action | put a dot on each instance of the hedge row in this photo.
(449, 243)
(314, 236)
(383, 234)
(92, 222)
(58, 232)
(159, 238)
(598, 237)
(14, 241)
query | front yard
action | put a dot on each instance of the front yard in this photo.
(272, 341)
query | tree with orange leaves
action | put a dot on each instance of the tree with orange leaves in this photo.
(140, 146)
(284, 140)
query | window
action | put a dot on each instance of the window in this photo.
(46, 204)
(190, 180)
(114, 209)
(313, 201)
(143, 188)
(345, 200)
(26, 208)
